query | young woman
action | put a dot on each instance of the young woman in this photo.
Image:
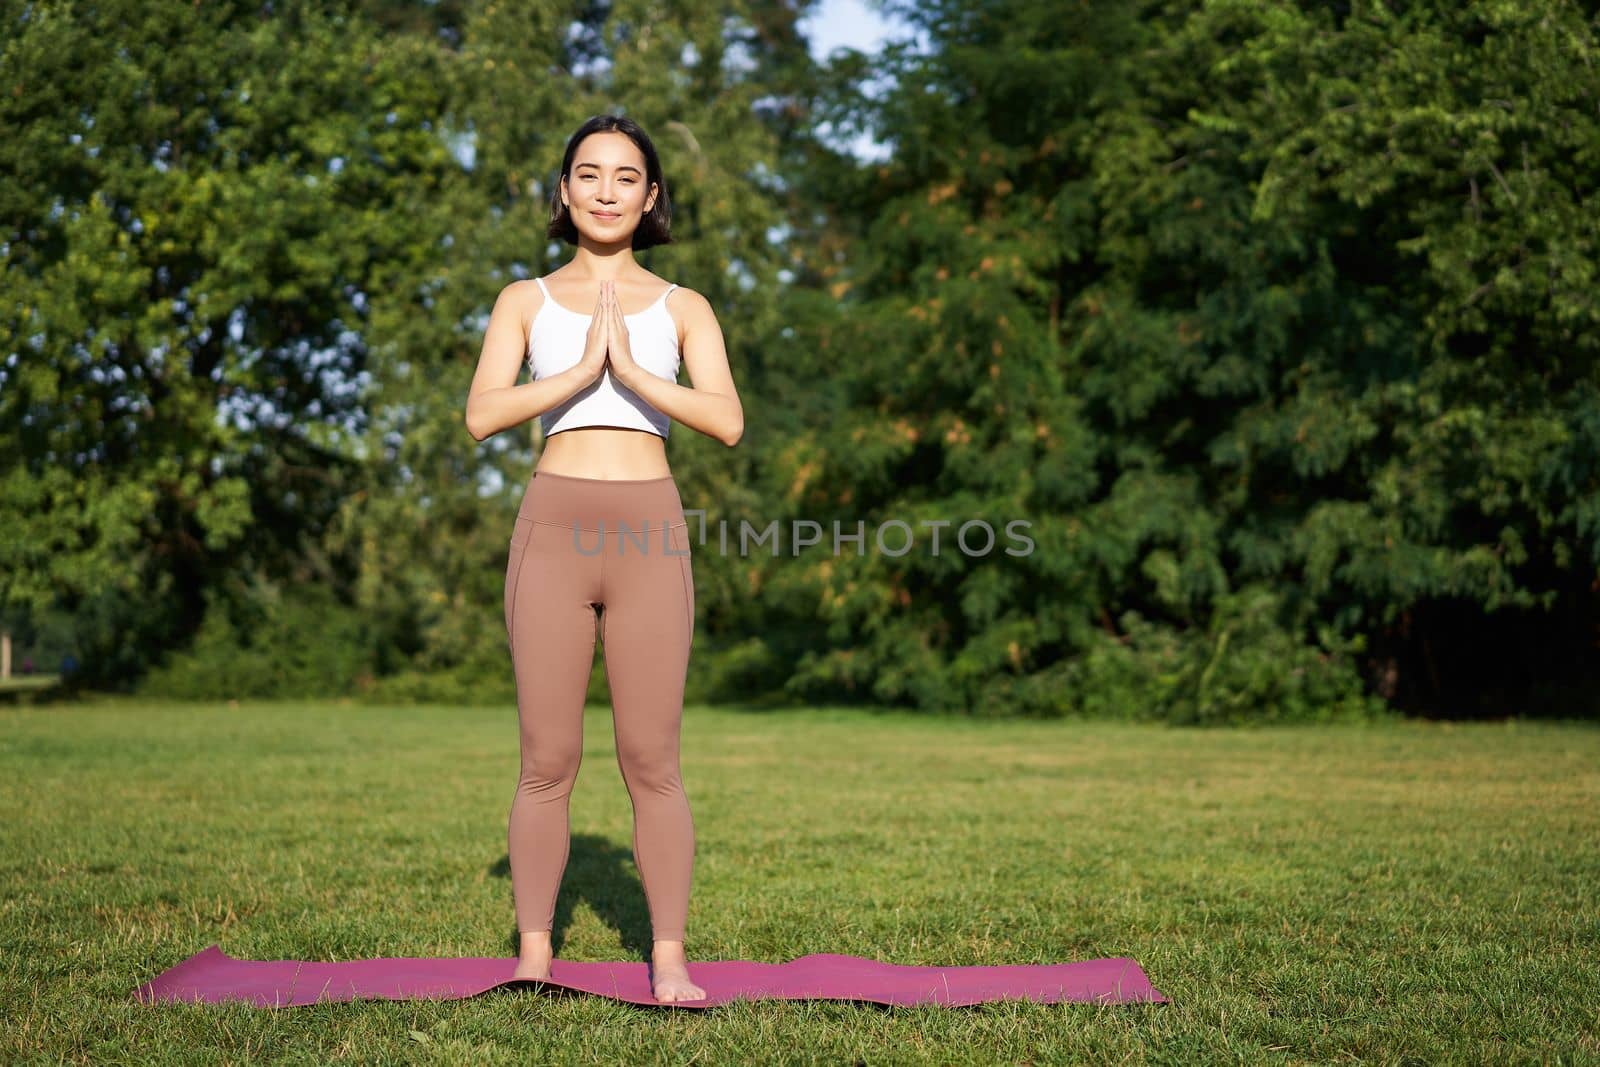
(600, 545)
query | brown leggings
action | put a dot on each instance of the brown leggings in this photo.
(637, 572)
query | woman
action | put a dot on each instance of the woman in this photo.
(601, 533)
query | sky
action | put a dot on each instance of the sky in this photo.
(847, 23)
(834, 24)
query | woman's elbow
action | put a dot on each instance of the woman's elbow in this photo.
(475, 425)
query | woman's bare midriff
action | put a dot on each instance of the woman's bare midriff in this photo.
(612, 453)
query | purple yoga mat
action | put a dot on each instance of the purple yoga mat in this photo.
(213, 976)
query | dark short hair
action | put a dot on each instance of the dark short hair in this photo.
(656, 225)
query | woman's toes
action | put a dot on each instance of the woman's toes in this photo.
(675, 985)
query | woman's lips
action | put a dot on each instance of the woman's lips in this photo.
(604, 215)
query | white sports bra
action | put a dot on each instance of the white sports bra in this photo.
(555, 343)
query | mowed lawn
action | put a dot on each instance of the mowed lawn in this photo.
(1422, 892)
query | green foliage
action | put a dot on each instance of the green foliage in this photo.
(268, 644)
(1223, 298)
(197, 202)
(1246, 666)
(1273, 326)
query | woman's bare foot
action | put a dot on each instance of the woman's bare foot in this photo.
(534, 960)
(670, 974)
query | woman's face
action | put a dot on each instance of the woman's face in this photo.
(606, 192)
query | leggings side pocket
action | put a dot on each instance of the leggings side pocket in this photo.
(519, 544)
(680, 543)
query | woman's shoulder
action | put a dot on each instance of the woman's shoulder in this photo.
(683, 298)
(529, 297)
(685, 307)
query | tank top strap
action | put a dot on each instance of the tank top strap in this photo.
(542, 288)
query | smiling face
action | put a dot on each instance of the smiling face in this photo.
(608, 192)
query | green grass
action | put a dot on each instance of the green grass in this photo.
(1402, 893)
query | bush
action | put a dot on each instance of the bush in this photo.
(265, 642)
(1246, 666)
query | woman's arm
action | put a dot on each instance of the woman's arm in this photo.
(711, 405)
(496, 402)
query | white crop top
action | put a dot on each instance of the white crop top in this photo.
(555, 343)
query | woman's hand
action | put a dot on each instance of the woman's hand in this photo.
(623, 368)
(598, 340)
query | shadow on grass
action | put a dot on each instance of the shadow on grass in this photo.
(605, 876)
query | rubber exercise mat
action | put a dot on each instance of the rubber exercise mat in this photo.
(213, 976)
